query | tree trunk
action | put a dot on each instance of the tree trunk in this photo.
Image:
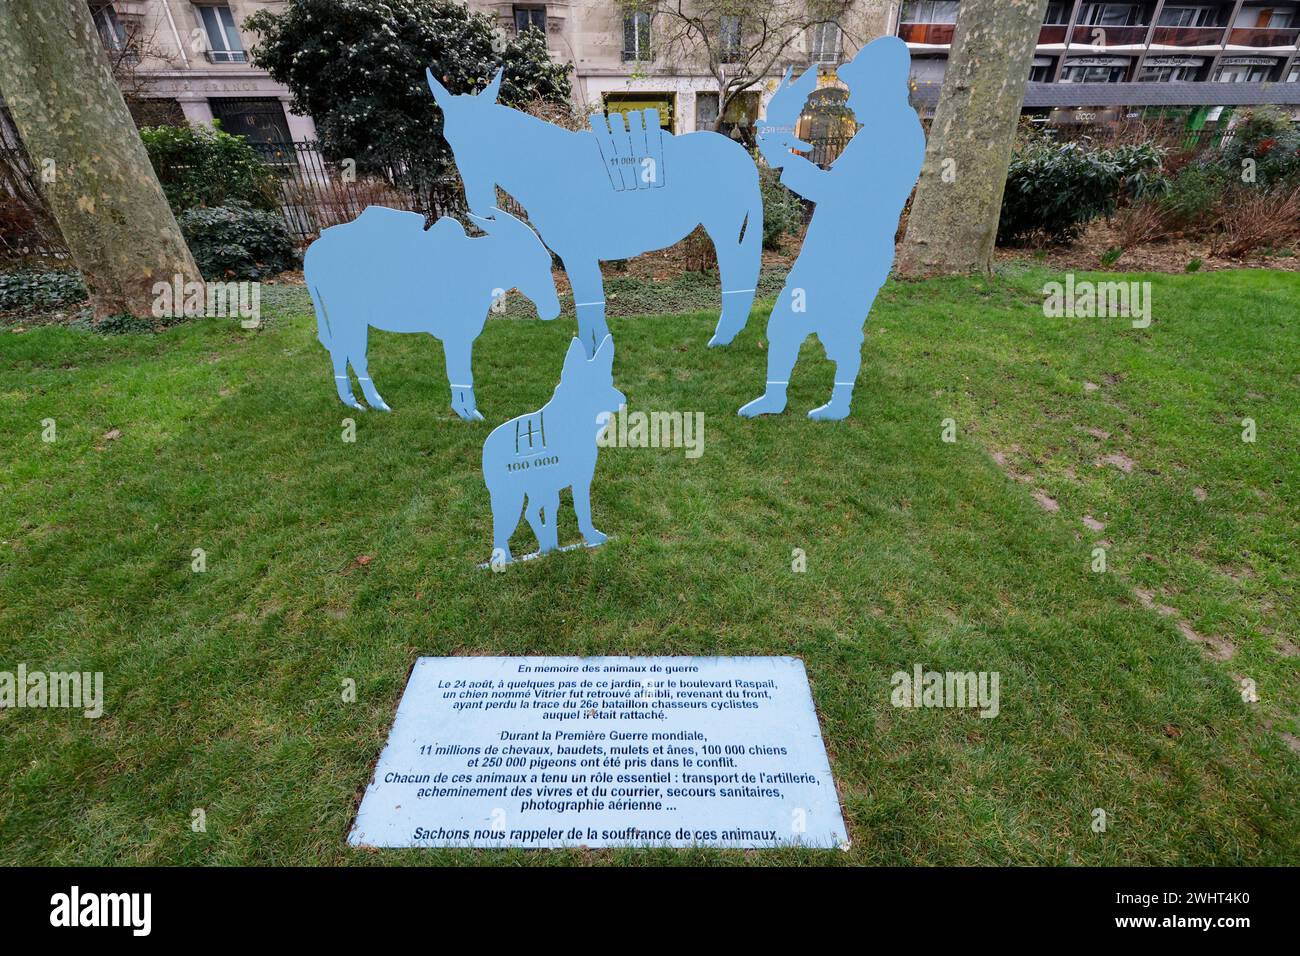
(954, 220)
(93, 167)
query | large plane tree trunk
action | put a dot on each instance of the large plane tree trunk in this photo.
(954, 220)
(93, 167)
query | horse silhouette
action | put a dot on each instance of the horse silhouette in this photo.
(576, 198)
(536, 456)
(385, 270)
(848, 249)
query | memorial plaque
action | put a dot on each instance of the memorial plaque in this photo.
(603, 752)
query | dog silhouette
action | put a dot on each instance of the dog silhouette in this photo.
(538, 455)
(385, 270)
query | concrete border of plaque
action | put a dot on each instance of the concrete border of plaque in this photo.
(603, 752)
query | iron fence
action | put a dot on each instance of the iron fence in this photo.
(27, 228)
(315, 192)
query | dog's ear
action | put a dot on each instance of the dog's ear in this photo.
(574, 360)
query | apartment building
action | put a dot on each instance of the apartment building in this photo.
(187, 59)
(1097, 62)
(623, 61)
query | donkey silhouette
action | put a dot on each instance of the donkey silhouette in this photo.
(385, 270)
(540, 454)
(569, 188)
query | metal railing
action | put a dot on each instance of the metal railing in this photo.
(315, 192)
(27, 228)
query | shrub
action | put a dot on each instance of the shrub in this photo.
(1254, 218)
(1141, 169)
(1142, 221)
(1193, 196)
(1055, 189)
(202, 166)
(782, 209)
(34, 290)
(236, 241)
(1267, 137)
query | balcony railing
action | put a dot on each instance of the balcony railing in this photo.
(1094, 34)
(1187, 36)
(1254, 36)
(1086, 34)
(935, 34)
(226, 56)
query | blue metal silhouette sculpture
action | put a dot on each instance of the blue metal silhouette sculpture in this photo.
(592, 196)
(385, 270)
(540, 454)
(849, 247)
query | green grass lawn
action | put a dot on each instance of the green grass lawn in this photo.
(224, 689)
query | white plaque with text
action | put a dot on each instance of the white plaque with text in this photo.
(603, 752)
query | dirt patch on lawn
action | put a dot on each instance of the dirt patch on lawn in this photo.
(1171, 256)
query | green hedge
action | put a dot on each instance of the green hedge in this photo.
(202, 166)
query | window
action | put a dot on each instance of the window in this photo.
(742, 112)
(118, 33)
(1111, 14)
(1093, 73)
(930, 11)
(1243, 73)
(1041, 72)
(155, 112)
(224, 45)
(1294, 75)
(825, 45)
(261, 119)
(729, 38)
(526, 17)
(636, 35)
(1168, 74)
(626, 103)
(1270, 18)
(1058, 12)
(1188, 17)
(706, 110)
(110, 28)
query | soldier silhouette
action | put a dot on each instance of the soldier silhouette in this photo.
(849, 247)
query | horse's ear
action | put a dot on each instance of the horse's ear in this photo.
(492, 90)
(440, 94)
